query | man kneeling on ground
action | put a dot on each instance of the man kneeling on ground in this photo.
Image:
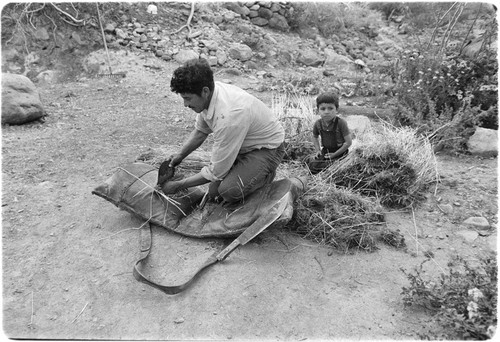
(248, 138)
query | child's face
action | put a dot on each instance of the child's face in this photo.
(327, 111)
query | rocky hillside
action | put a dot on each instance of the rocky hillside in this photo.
(254, 36)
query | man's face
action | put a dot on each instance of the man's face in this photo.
(327, 111)
(196, 102)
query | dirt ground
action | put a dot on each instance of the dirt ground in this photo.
(67, 260)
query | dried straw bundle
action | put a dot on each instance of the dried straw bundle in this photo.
(334, 216)
(389, 163)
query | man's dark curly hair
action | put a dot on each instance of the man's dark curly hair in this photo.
(192, 77)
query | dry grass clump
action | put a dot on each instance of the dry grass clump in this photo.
(296, 113)
(338, 217)
(389, 163)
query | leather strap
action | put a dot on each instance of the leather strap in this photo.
(173, 289)
(146, 246)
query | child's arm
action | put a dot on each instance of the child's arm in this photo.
(317, 146)
(347, 143)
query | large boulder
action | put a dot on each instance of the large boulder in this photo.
(483, 142)
(20, 100)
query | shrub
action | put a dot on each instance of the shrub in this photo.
(446, 89)
(464, 300)
(448, 96)
(332, 17)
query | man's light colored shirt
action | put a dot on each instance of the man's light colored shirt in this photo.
(240, 123)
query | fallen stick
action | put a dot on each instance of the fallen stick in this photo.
(320, 266)
(73, 321)
(32, 311)
(416, 232)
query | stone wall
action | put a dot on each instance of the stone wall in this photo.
(264, 13)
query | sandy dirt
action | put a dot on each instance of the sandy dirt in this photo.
(67, 260)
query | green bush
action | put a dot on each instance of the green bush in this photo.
(463, 301)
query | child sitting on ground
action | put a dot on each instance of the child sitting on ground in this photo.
(334, 132)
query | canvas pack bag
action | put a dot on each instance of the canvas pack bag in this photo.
(132, 188)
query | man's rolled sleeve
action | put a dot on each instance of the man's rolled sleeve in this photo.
(226, 147)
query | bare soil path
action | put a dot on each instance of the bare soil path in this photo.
(66, 276)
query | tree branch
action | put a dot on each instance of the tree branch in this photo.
(188, 21)
(76, 21)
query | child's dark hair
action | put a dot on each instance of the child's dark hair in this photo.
(328, 97)
(192, 77)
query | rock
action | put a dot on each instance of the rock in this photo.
(483, 142)
(41, 33)
(279, 22)
(20, 100)
(221, 57)
(235, 7)
(210, 44)
(229, 16)
(275, 7)
(121, 34)
(109, 28)
(185, 55)
(360, 63)
(447, 208)
(310, 58)
(76, 37)
(152, 9)
(477, 222)
(212, 60)
(492, 242)
(240, 52)
(337, 62)
(47, 76)
(357, 124)
(253, 14)
(265, 13)
(469, 236)
(195, 34)
(259, 21)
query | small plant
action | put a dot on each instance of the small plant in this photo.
(463, 301)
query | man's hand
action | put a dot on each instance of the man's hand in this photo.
(171, 187)
(175, 160)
